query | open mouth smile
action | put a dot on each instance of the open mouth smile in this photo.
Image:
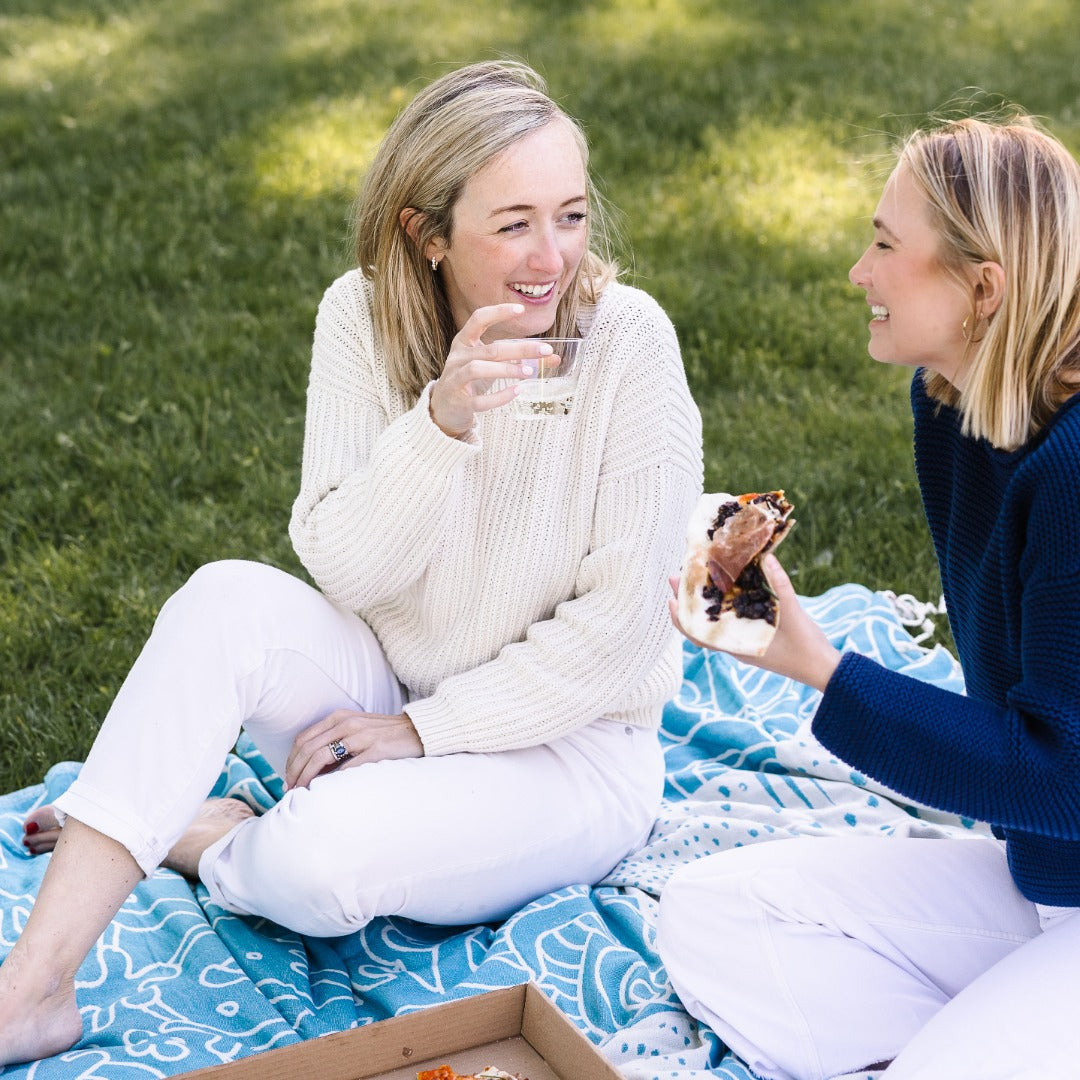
(534, 292)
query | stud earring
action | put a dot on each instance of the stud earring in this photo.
(434, 264)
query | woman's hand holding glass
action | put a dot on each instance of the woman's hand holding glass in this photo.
(462, 390)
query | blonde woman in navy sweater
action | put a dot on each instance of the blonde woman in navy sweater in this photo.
(939, 958)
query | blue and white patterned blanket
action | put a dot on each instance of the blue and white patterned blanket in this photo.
(177, 984)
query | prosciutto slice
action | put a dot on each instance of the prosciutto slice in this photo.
(736, 542)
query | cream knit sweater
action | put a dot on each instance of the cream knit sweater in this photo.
(516, 579)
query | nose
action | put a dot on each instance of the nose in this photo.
(859, 273)
(546, 255)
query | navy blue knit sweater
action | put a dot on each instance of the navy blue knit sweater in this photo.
(1006, 527)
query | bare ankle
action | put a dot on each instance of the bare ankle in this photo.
(215, 818)
(39, 1016)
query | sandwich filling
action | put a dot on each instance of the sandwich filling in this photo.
(743, 530)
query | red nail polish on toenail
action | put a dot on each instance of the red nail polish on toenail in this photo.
(31, 828)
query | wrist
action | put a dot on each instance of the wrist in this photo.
(449, 432)
(824, 667)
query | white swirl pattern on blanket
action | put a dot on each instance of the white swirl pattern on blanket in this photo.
(176, 984)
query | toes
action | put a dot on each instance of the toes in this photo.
(41, 830)
(41, 819)
(230, 808)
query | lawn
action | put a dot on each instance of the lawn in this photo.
(175, 182)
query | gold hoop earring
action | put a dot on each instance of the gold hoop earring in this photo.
(434, 264)
(969, 335)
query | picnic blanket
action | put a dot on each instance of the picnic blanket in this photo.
(176, 983)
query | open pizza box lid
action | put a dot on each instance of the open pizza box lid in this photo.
(516, 1029)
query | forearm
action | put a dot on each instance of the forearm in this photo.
(952, 752)
(361, 524)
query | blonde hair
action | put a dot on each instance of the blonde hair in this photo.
(1005, 191)
(450, 131)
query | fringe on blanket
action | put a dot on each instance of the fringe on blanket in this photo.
(916, 613)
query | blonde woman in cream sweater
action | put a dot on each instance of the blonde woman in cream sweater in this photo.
(465, 710)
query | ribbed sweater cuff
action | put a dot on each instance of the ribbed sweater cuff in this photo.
(835, 725)
(436, 724)
(437, 447)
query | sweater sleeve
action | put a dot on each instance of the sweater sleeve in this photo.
(1016, 766)
(1006, 526)
(360, 541)
(610, 648)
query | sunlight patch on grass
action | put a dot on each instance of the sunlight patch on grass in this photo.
(318, 147)
(40, 51)
(790, 185)
(1021, 22)
(85, 64)
(328, 29)
(638, 25)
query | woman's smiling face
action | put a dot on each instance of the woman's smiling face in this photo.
(519, 232)
(919, 308)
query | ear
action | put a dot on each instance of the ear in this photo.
(989, 288)
(411, 221)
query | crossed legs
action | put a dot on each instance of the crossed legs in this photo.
(243, 644)
(209, 667)
(813, 958)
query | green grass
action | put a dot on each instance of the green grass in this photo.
(174, 186)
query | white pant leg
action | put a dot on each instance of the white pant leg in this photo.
(1018, 1021)
(458, 839)
(812, 958)
(240, 644)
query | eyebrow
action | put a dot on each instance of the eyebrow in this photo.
(521, 208)
(879, 224)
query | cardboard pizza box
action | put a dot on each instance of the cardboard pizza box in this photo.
(516, 1029)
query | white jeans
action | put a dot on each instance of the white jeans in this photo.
(456, 839)
(814, 958)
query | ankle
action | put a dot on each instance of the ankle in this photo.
(216, 818)
(39, 1016)
(28, 973)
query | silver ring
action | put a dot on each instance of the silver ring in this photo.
(337, 748)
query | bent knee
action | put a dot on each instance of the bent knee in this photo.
(712, 883)
(314, 895)
(225, 594)
(721, 896)
(227, 582)
(294, 875)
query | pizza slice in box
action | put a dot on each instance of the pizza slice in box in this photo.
(489, 1072)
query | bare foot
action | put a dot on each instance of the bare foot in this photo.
(37, 1019)
(41, 830)
(215, 818)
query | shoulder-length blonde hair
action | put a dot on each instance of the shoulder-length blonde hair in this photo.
(450, 131)
(1007, 192)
